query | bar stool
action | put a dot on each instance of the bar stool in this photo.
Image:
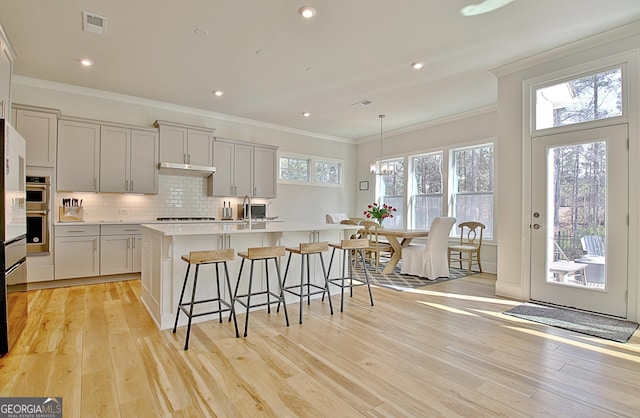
(307, 289)
(349, 247)
(199, 258)
(257, 254)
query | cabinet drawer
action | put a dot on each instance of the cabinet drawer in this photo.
(77, 230)
(126, 229)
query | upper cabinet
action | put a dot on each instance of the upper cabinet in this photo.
(39, 127)
(243, 169)
(185, 144)
(101, 157)
(6, 70)
(78, 167)
(128, 160)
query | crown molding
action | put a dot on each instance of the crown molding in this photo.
(135, 100)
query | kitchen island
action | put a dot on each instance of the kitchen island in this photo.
(163, 245)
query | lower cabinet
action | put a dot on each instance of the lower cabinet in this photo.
(120, 249)
(95, 250)
(77, 251)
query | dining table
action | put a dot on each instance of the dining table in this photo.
(399, 239)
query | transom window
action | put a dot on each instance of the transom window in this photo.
(309, 170)
(589, 98)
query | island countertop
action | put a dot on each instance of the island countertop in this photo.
(193, 229)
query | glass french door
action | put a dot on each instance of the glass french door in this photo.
(579, 224)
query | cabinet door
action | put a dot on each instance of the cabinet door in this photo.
(40, 130)
(265, 172)
(115, 254)
(77, 257)
(173, 144)
(199, 147)
(222, 182)
(78, 156)
(136, 254)
(114, 159)
(144, 162)
(243, 169)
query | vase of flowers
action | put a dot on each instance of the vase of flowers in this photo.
(379, 212)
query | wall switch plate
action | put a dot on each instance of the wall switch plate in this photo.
(123, 211)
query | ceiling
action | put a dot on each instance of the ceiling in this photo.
(351, 51)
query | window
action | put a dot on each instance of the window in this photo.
(593, 97)
(472, 185)
(328, 172)
(392, 191)
(427, 189)
(294, 169)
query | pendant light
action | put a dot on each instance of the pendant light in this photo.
(384, 167)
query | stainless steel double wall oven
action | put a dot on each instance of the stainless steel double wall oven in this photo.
(38, 212)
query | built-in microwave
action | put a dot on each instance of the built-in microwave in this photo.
(258, 210)
(38, 189)
(38, 211)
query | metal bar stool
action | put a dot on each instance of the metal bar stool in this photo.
(307, 289)
(257, 254)
(199, 258)
(349, 247)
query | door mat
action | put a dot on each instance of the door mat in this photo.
(400, 282)
(577, 321)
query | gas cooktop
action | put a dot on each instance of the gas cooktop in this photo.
(186, 218)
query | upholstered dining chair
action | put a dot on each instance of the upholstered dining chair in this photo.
(469, 245)
(431, 260)
(370, 230)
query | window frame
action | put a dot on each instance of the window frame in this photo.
(312, 159)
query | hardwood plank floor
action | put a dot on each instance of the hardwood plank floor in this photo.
(444, 350)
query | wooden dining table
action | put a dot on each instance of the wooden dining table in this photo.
(399, 239)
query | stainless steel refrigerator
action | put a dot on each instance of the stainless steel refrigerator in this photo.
(13, 241)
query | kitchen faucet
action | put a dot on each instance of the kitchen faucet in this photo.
(247, 209)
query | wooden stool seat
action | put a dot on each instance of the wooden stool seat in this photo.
(307, 289)
(199, 258)
(349, 247)
(256, 254)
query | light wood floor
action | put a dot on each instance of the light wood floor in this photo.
(443, 350)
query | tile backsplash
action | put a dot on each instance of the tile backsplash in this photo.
(178, 196)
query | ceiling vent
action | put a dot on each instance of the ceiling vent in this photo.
(93, 23)
(361, 104)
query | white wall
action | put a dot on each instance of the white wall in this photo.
(292, 203)
(512, 220)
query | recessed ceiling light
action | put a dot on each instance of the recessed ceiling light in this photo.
(483, 7)
(262, 53)
(307, 12)
(311, 70)
(218, 93)
(417, 65)
(86, 62)
(306, 114)
(199, 31)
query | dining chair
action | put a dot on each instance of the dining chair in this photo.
(470, 244)
(430, 260)
(370, 230)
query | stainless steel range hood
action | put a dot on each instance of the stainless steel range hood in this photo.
(178, 169)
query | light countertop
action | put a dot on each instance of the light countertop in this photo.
(192, 229)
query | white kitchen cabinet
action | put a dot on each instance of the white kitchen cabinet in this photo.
(39, 127)
(78, 163)
(7, 56)
(120, 249)
(265, 172)
(243, 169)
(128, 160)
(77, 251)
(185, 144)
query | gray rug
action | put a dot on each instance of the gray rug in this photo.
(400, 282)
(582, 322)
